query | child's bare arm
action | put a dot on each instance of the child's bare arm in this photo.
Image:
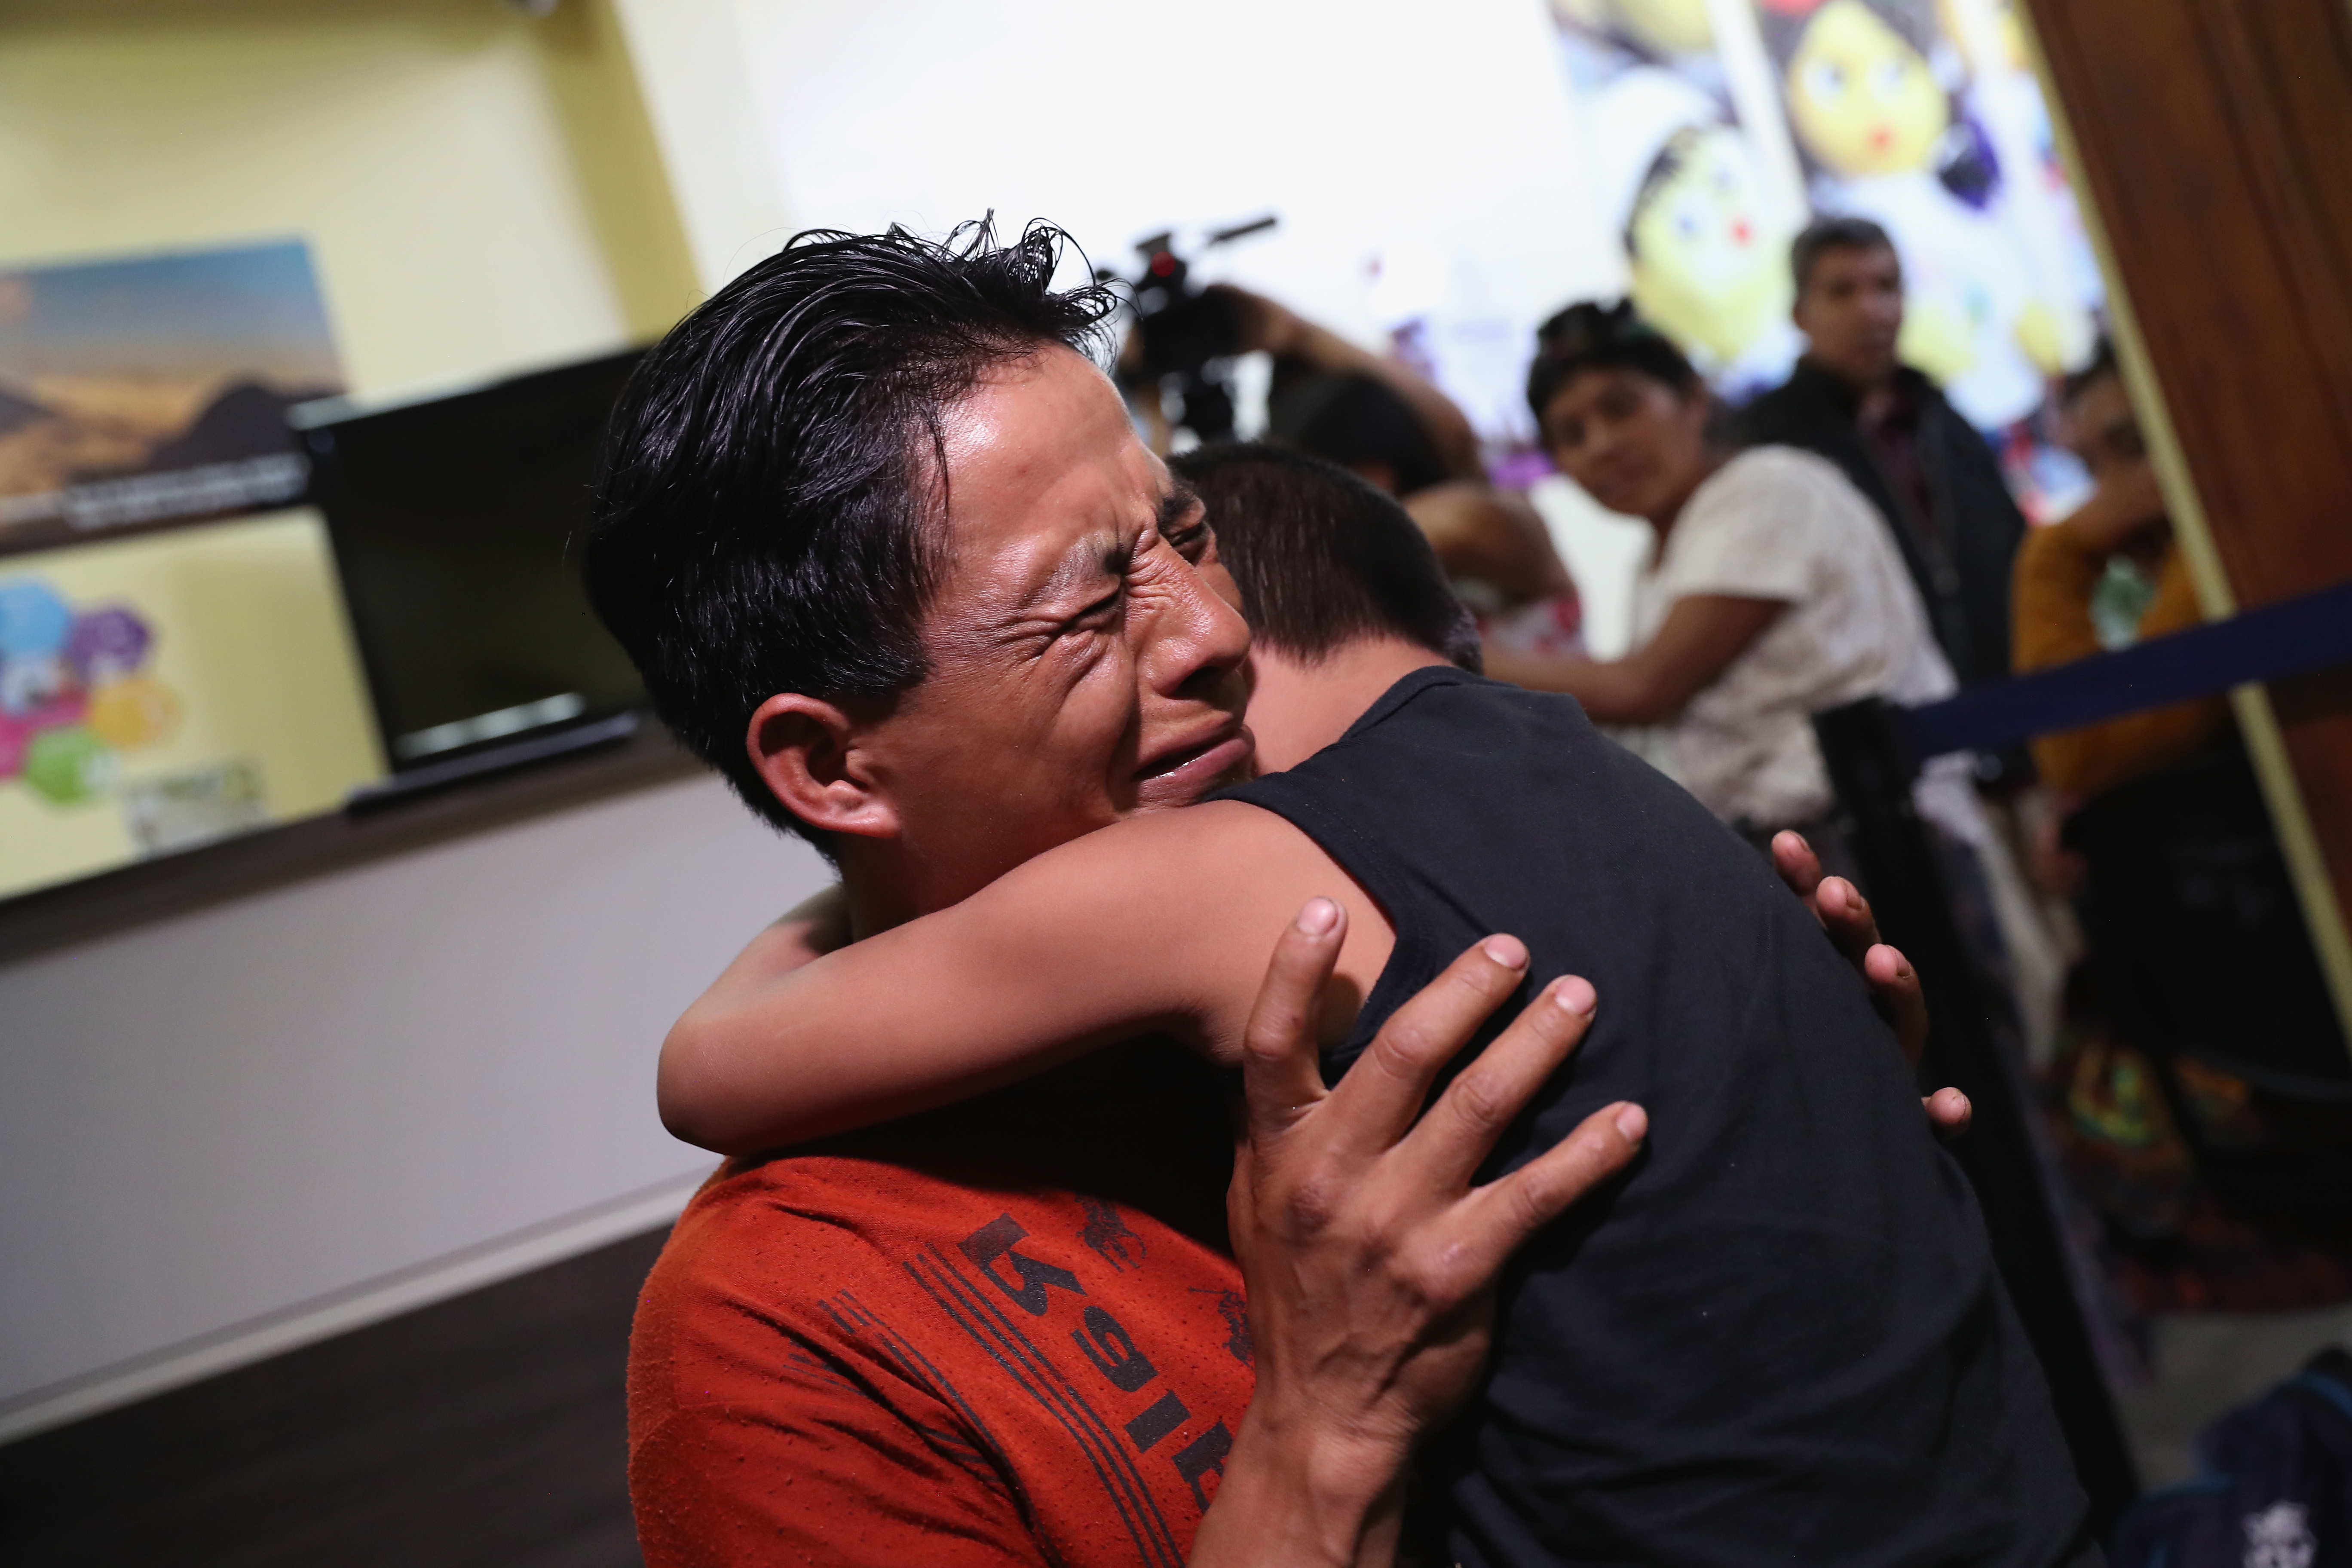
(816, 926)
(1157, 925)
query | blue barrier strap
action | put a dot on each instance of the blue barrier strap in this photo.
(2286, 638)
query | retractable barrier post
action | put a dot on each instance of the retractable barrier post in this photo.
(1872, 765)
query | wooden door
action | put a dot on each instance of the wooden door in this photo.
(2214, 138)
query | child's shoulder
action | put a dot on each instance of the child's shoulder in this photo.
(1218, 827)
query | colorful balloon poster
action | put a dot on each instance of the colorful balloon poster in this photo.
(161, 692)
(147, 391)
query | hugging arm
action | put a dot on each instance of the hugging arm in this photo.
(789, 1046)
(1154, 925)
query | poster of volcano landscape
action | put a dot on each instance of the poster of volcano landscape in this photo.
(152, 391)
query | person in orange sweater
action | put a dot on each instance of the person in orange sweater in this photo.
(2059, 569)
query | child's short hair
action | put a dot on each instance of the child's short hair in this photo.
(1323, 558)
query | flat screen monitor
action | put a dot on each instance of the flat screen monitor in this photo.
(452, 518)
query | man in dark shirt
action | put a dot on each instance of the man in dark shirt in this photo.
(1926, 469)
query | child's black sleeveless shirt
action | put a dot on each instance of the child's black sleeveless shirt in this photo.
(1782, 1340)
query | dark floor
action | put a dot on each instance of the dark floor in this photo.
(488, 1430)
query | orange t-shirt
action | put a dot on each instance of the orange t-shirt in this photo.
(1004, 1333)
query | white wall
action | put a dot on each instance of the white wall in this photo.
(223, 1134)
(1424, 160)
(689, 65)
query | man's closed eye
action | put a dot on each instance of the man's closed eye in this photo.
(1102, 613)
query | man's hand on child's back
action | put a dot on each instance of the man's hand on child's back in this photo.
(1370, 1252)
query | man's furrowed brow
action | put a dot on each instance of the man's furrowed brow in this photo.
(1107, 553)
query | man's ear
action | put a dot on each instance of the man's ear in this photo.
(812, 756)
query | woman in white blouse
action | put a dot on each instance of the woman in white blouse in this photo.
(1774, 592)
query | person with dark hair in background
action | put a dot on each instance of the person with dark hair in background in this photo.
(1784, 1335)
(1378, 418)
(2061, 572)
(1926, 470)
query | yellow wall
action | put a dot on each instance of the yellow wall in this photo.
(479, 189)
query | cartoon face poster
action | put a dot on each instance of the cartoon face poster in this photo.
(1719, 127)
(151, 390)
(1684, 183)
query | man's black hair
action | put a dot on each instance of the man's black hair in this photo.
(1593, 336)
(2103, 365)
(1351, 419)
(1322, 557)
(764, 514)
(1824, 235)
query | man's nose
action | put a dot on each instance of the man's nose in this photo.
(1194, 642)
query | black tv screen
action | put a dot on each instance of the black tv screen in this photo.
(452, 518)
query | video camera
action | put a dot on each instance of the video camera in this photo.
(1185, 338)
